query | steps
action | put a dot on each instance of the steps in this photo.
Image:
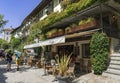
(114, 67)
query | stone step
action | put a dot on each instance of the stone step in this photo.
(115, 61)
(116, 54)
(114, 66)
(115, 57)
(116, 71)
(112, 75)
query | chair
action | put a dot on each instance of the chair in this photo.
(81, 64)
(71, 69)
(87, 65)
(80, 60)
(38, 64)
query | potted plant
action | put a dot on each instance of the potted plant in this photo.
(63, 62)
(54, 32)
(81, 25)
(90, 22)
(67, 30)
(60, 32)
(48, 34)
(73, 27)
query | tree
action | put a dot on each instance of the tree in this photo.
(2, 22)
(15, 42)
(4, 44)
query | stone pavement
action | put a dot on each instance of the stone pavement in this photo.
(25, 75)
(91, 78)
(35, 75)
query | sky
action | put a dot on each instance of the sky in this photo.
(15, 11)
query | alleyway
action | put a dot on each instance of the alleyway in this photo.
(25, 75)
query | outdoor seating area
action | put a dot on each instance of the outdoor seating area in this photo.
(82, 65)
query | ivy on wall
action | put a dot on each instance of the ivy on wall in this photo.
(43, 25)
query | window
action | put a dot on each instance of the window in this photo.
(40, 14)
(86, 50)
(7, 38)
(56, 2)
(7, 33)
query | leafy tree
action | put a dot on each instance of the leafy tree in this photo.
(2, 22)
(4, 44)
(15, 42)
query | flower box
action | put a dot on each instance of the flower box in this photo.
(85, 26)
(59, 33)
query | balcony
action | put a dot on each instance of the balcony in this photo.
(90, 23)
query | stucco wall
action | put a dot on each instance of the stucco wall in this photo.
(119, 24)
(114, 43)
(57, 6)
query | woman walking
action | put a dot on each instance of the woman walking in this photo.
(17, 55)
(9, 59)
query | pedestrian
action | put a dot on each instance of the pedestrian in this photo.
(9, 59)
(17, 56)
(25, 57)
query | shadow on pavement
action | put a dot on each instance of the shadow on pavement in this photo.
(3, 70)
(2, 76)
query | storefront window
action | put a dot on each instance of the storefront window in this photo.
(86, 50)
(65, 49)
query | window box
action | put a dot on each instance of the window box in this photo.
(60, 32)
(86, 25)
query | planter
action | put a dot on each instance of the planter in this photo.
(85, 26)
(48, 36)
(63, 79)
(68, 31)
(59, 33)
(90, 24)
(54, 34)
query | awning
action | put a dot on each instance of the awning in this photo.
(47, 42)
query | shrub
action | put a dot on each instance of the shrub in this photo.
(65, 3)
(99, 47)
(63, 63)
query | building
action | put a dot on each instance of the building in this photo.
(70, 29)
(6, 34)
